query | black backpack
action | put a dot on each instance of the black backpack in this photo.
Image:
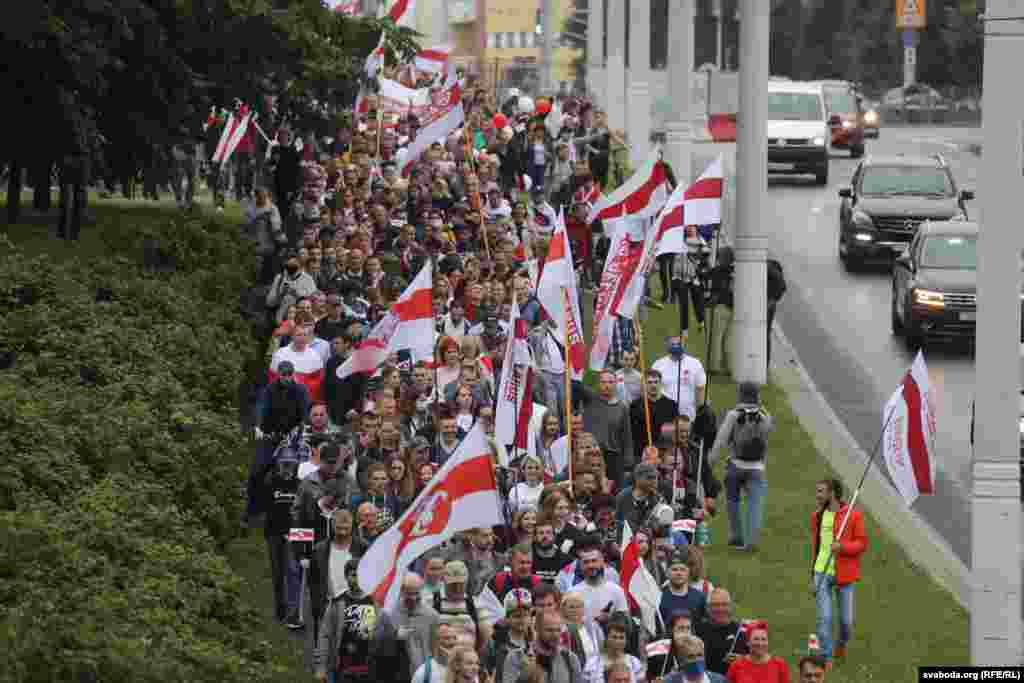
(776, 280)
(749, 436)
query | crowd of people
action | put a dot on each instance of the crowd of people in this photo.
(340, 231)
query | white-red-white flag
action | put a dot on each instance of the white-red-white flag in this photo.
(349, 8)
(515, 392)
(402, 12)
(308, 365)
(642, 195)
(908, 441)
(234, 131)
(698, 204)
(620, 268)
(559, 297)
(407, 326)
(433, 60)
(641, 587)
(462, 495)
(447, 117)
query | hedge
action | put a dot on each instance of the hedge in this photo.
(121, 463)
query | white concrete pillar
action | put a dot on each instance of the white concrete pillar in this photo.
(595, 51)
(750, 307)
(679, 126)
(547, 46)
(995, 505)
(615, 66)
(639, 108)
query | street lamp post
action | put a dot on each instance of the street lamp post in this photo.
(995, 494)
(750, 307)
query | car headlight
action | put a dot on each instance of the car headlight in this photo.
(871, 117)
(927, 297)
(861, 219)
(847, 124)
(863, 237)
(818, 142)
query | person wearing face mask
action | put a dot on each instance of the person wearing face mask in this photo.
(342, 650)
(682, 377)
(692, 667)
(288, 288)
(401, 639)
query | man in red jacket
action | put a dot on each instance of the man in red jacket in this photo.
(838, 547)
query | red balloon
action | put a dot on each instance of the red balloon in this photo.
(543, 107)
(500, 121)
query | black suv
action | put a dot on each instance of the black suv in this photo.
(888, 198)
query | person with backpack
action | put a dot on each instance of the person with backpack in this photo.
(745, 431)
(776, 290)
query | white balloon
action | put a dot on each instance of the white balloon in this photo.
(526, 105)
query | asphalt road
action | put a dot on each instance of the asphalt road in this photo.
(838, 322)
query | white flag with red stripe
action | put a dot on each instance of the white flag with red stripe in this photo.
(395, 99)
(643, 194)
(462, 495)
(908, 443)
(698, 204)
(620, 268)
(558, 283)
(234, 131)
(308, 365)
(515, 392)
(433, 60)
(448, 116)
(641, 588)
(408, 325)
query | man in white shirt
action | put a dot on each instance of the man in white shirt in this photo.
(601, 597)
(682, 378)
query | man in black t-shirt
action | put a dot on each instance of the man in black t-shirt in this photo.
(343, 641)
(548, 558)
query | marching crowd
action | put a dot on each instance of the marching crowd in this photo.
(616, 480)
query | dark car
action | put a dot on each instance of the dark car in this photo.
(845, 118)
(888, 198)
(934, 284)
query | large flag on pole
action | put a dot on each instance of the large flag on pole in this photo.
(515, 392)
(393, 98)
(448, 116)
(462, 495)
(407, 326)
(698, 204)
(558, 274)
(236, 128)
(620, 267)
(908, 442)
(433, 60)
(643, 194)
(640, 586)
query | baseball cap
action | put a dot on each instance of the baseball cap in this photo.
(518, 598)
(456, 572)
(286, 368)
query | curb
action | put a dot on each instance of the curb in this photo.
(924, 546)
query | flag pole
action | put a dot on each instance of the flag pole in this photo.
(476, 199)
(856, 494)
(568, 382)
(643, 381)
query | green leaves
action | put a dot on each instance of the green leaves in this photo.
(122, 463)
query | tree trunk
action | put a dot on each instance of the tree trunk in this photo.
(14, 185)
(41, 187)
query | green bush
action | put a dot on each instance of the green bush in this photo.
(122, 462)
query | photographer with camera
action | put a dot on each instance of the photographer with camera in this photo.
(290, 285)
(745, 431)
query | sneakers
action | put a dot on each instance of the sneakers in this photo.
(294, 622)
(735, 543)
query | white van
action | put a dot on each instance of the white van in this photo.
(798, 129)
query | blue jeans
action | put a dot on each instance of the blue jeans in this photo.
(745, 530)
(825, 586)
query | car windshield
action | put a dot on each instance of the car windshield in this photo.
(950, 251)
(906, 180)
(841, 102)
(794, 106)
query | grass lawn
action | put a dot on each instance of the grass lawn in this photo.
(902, 618)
